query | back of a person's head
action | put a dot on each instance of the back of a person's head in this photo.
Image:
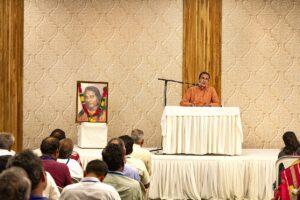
(14, 184)
(31, 163)
(49, 145)
(137, 135)
(290, 140)
(6, 140)
(112, 155)
(65, 148)
(58, 133)
(128, 142)
(97, 167)
(3, 162)
(117, 141)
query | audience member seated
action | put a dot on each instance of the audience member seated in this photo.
(136, 163)
(292, 145)
(139, 152)
(51, 191)
(60, 134)
(59, 171)
(65, 151)
(127, 188)
(32, 164)
(3, 161)
(128, 171)
(14, 184)
(289, 187)
(292, 148)
(91, 186)
(6, 143)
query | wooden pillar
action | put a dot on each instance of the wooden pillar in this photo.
(202, 41)
(11, 70)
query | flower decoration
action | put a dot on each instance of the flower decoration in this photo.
(100, 109)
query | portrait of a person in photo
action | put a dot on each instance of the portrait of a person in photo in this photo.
(93, 104)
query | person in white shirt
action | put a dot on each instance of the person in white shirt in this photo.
(51, 191)
(6, 142)
(138, 152)
(65, 151)
(91, 186)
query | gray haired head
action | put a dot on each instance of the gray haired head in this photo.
(6, 140)
(14, 184)
(137, 135)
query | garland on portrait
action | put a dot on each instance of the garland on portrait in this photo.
(100, 109)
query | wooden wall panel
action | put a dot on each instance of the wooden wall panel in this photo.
(202, 41)
(11, 71)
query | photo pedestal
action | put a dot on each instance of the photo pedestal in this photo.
(92, 135)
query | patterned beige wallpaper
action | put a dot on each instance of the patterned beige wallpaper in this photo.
(260, 67)
(129, 44)
(132, 43)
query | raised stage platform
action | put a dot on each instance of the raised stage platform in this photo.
(248, 176)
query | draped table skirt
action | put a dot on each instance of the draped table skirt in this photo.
(249, 176)
(202, 130)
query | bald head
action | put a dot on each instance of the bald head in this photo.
(49, 146)
(65, 148)
(119, 142)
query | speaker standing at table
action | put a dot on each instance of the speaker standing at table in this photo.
(202, 94)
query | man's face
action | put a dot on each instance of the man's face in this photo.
(203, 80)
(91, 100)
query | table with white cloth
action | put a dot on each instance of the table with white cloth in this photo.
(247, 176)
(88, 154)
(202, 130)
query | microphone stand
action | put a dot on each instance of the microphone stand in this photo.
(165, 96)
(166, 85)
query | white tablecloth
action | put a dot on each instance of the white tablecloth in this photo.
(87, 155)
(202, 130)
(249, 175)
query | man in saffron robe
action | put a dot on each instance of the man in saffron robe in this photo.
(202, 94)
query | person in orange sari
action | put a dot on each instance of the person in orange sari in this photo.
(202, 94)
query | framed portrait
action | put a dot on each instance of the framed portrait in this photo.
(92, 102)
